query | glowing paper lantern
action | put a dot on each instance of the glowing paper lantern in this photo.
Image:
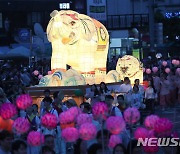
(66, 117)
(163, 127)
(115, 124)
(21, 125)
(151, 121)
(87, 131)
(131, 115)
(178, 70)
(154, 69)
(35, 138)
(36, 72)
(114, 140)
(8, 110)
(6, 124)
(74, 111)
(140, 132)
(49, 121)
(69, 37)
(70, 134)
(145, 84)
(40, 76)
(148, 71)
(167, 70)
(83, 118)
(164, 63)
(24, 101)
(100, 110)
(174, 61)
(177, 62)
(129, 66)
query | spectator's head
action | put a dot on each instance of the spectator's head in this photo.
(103, 86)
(6, 139)
(121, 102)
(85, 107)
(93, 87)
(109, 100)
(35, 108)
(19, 147)
(47, 93)
(70, 103)
(95, 149)
(47, 150)
(136, 82)
(49, 141)
(105, 137)
(119, 149)
(126, 80)
(47, 102)
(29, 110)
(135, 89)
(55, 95)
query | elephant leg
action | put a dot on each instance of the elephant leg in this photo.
(59, 56)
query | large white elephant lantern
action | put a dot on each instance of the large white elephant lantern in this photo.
(80, 42)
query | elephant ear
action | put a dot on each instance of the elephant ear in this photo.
(88, 27)
(52, 28)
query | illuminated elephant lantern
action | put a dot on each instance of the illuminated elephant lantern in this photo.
(80, 42)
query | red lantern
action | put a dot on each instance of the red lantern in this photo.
(49, 121)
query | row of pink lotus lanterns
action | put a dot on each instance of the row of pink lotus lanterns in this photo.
(75, 124)
(155, 70)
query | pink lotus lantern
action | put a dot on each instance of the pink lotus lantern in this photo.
(100, 110)
(144, 70)
(83, 118)
(74, 111)
(70, 134)
(49, 121)
(66, 120)
(115, 124)
(36, 72)
(131, 115)
(154, 148)
(167, 70)
(163, 127)
(24, 101)
(49, 72)
(21, 125)
(40, 76)
(154, 69)
(114, 140)
(164, 63)
(151, 121)
(148, 71)
(140, 132)
(87, 131)
(8, 111)
(177, 62)
(35, 138)
(174, 61)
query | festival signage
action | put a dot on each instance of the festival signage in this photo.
(97, 9)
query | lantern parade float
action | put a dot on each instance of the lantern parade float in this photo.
(82, 43)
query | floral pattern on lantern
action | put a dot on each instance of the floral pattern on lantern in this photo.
(8, 110)
(131, 115)
(167, 70)
(83, 118)
(115, 124)
(154, 69)
(35, 138)
(100, 110)
(49, 121)
(70, 134)
(21, 125)
(24, 101)
(140, 132)
(151, 121)
(87, 131)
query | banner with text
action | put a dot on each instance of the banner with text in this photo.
(97, 9)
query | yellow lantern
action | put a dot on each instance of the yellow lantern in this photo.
(79, 41)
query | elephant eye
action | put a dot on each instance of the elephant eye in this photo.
(72, 23)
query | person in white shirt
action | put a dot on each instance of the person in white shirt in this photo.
(136, 98)
(126, 86)
(150, 96)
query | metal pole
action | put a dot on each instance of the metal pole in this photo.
(151, 24)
